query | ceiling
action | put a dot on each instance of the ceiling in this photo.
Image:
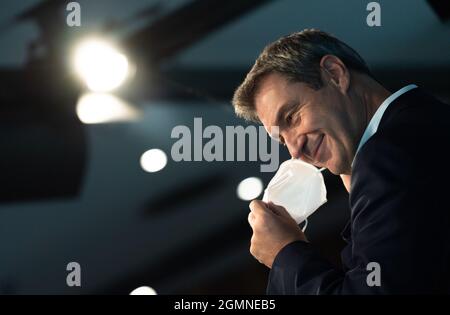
(118, 228)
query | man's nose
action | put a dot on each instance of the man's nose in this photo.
(294, 145)
(292, 151)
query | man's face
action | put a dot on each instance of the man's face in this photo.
(316, 126)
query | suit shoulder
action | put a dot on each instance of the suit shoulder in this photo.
(390, 150)
(416, 133)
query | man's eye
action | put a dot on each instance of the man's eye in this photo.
(289, 118)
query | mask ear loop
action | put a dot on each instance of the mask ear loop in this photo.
(304, 226)
(306, 219)
(331, 77)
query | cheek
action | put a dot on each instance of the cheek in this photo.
(310, 121)
(337, 158)
(317, 116)
(335, 149)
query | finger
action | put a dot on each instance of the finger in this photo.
(252, 249)
(279, 210)
(251, 218)
(258, 206)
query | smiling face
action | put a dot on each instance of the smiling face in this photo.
(317, 126)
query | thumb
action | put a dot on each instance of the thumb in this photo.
(279, 210)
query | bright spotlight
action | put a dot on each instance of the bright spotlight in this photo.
(250, 188)
(143, 291)
(153, 160)
(101, 66)
(95, 108)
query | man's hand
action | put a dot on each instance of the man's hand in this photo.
(273, 228)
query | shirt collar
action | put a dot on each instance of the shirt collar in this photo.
(372, 127)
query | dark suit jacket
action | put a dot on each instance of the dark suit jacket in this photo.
(400, 212)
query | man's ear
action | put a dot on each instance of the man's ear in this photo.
(335, 72)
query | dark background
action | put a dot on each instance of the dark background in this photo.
(76, 192)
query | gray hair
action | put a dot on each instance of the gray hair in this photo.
(296, 57)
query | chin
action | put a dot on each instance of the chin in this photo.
(335, 168)
(334, 171)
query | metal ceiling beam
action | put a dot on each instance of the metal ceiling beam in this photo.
(441, 8)
(185, 26)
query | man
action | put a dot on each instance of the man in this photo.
(389, 149)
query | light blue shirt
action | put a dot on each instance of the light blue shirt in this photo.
(375, 121)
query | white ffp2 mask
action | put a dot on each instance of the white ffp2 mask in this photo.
(298, 187)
